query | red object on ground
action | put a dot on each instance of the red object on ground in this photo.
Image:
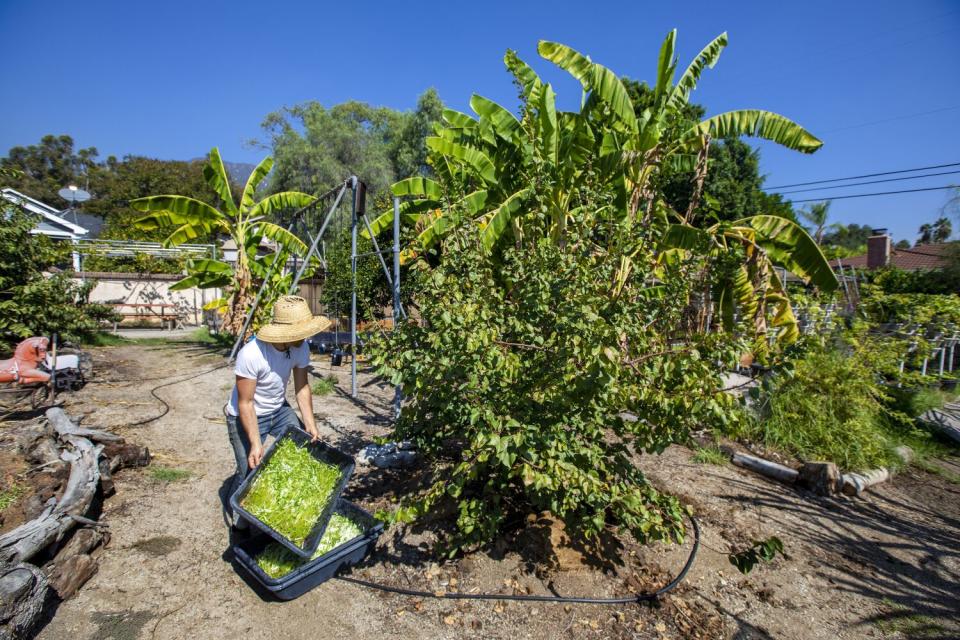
(23, 367)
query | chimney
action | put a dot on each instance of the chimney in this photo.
(878, 249)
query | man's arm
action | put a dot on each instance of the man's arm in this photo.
(248, 418)
(305, 401)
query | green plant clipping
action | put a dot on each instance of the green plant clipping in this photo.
(276, 561)
(291, 491)
(10, 495)
(324, 385)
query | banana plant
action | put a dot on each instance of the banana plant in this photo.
(486, 166)
(754, 288)
(247, 224)
(660, 134)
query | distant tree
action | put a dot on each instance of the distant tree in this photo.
(926, 234)
(902, 244)
(116, 183)
(817, 214)
(408, 153)
(47, 167)
(942, 229)
(316, 147)
(851, 236)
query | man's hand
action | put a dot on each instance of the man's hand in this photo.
(312, 430)
(256, 455)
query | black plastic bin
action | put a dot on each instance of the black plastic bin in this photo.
(314, 572)
(321, 451)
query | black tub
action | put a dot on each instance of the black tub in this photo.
(314, 572)
(321, 451)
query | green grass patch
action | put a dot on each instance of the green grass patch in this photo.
(169, 474)
(710, 455)
(902, 620)
(324, 385)
(276, 561)
(10, 495)
(200, 335)
(291, 491)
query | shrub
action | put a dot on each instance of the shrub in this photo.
(827, 404)
(32, 303)
(519, 374)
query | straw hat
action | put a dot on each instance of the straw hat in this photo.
(292, 321)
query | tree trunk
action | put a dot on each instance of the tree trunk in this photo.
(241, 294)
(765, 467)
(30, 538)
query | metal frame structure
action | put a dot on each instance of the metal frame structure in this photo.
(300, 220)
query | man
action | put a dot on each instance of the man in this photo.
(258, 406)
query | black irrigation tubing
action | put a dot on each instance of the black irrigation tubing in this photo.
(636, 597)
(166, 406)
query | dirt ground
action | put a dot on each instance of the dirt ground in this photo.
(886, 565)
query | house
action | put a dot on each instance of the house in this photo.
(881, 253)
(51, 224)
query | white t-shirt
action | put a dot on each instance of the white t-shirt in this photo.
(270, 367)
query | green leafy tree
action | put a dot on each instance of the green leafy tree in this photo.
(851, 236)
(32, 303)
(247, 224)
(316, 147)
(45, 168)
(817, 214)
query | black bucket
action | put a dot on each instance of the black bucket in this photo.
(336, 358)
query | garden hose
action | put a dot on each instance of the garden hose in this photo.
(153, 391)
(636, 597)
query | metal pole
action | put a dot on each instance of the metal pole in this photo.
(396, 291)
(353, 292)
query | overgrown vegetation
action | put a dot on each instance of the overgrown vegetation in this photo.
(291, 491)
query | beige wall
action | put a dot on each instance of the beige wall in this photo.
(148, 289)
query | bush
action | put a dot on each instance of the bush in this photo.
(518, 376)
(32, 303)
(826, 406)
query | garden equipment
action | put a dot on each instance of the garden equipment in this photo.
(26, 378)
(319, 451)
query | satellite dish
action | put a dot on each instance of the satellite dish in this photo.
(74, 194)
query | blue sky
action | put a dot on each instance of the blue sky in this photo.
(171, 79)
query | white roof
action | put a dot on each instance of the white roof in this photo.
(47, 212)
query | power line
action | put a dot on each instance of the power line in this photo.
(879, 193)
(857, 184)
(866, 175)
(894, 118)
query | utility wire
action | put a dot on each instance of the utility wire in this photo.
(866, 175)
(857, 184)
(893, 119)
(879, 193)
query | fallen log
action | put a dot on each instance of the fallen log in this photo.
(75, 564)
(855, 483)
(125, 456)
(32, 537)
(23, 594)
(765, 467)
(823, 478)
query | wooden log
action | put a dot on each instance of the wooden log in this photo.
(23, 594)
(68, 576)
(853, 484)
(123, 456)
(823, 478)
(32, 537)
(97, 435)
(106, 479)
(766, 468)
